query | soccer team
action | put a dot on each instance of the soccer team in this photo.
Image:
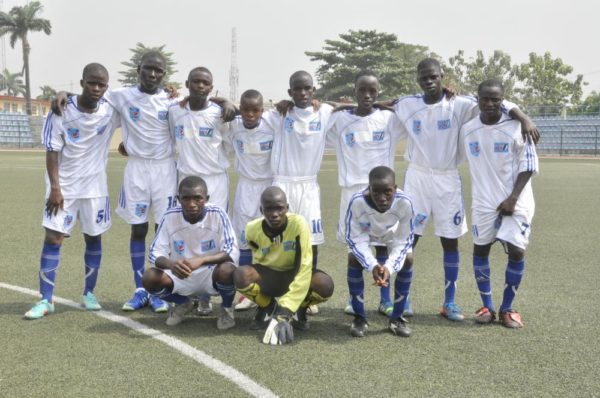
(268, 252)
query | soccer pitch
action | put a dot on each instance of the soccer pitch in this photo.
(73, 353)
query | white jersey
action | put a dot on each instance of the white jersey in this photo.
(144, 122)
(82, 140)
(432, 129)
(201, 139)
(177, 239)
(497, 154)
(252, 149)
(299, 140)
(393, 228)
(362, 143)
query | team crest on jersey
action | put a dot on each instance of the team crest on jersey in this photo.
(378, 135)
(265, 250)
(207, 245)
(68, 221)
(101, 129)
(416, 126)
(364, 226)
(349, 139)
(420, 219)
(134, 113)
(205, 132)
(444, 124)
(474, 148)
(141, 209)
(163, 115)
(289, 245)
(73, 134)
(179, 247)
(314, 125)
(288, 125)
(266, 145)
(501, 147)
(179, 132)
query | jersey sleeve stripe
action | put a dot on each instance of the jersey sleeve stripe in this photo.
(47, 132)
(359, 256)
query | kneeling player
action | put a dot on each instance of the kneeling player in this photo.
(282, 267)
(380, 214)
(76, 187)
(194, 252)
(501, 164)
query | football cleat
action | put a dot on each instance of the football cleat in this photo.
(177, 312)
(89, 302)
(399, 327)
(204, 306)
(359, 327)
(40, 309)
(312, 309)
(244, 304)
(137, 301)
(510, 319)
(484, 316)
(299, 320)
(452, 312)
(262, 317)
(157, 304)
(226, 319)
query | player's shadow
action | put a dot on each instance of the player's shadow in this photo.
(19, 308)
(439, 321)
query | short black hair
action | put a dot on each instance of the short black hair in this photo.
(365, 72)
(91, 68)
(490, 83)
(251, 95)
(192, 182)
(200, 69)
(151, 54)
(429, 62)
(300, 74)
(381, 172)
(272, 191)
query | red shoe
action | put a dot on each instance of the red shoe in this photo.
(511, 319)
(484, 315)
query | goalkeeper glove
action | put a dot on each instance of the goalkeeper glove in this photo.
(280, 330)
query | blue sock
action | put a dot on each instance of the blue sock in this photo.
(137, 250)
(401, 291)
(451, 264)
(514, 274)
(227, 292)
(384, 292)
(356, 286)
(245, 257)
(174, 298)
(49, 261)
(481, 269)
(92, 258)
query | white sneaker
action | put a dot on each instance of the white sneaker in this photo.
(226, 319)
(244, 304)
(177, 313)
(204, 306)
(312, 309)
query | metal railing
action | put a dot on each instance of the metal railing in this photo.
(575, 139)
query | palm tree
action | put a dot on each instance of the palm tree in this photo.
(47, 93)
(12, 83)
(18, 22)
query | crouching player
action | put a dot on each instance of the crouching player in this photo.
(194, 253)
(501, 164)
(381, 214)
(280, 279)
(76, 188)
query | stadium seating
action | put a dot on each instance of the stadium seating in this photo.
(578, 135)
(15, 130)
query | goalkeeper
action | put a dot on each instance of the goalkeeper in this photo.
(280, 280)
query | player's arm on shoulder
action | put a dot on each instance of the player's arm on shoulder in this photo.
(528, 127)
(59, 102)
(228, 109)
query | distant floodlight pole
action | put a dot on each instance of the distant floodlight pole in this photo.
(234, 73)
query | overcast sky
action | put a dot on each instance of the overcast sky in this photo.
(272, 35)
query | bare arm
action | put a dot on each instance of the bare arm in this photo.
(179, 268)
(528, 128)
(55, 200)
(216, 258)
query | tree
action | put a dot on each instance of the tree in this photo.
(130, 75)
(12, 83)
(47, 93)
(18, 22)
(544, 81)
(392, 61)
(465, 76)
(591, 104)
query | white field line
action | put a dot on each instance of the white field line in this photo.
(231, 374)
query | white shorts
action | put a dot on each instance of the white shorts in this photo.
(197, 284)
(304, 196)
(93, 214)
(345, 196)
(437, 194)
(489, 226)
(246, 206)
(217, 186)
(147, 184)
